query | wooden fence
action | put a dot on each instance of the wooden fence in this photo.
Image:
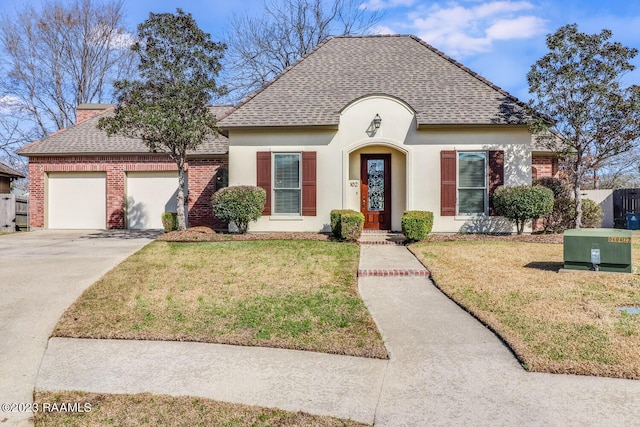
(625, 200)
(14, 213)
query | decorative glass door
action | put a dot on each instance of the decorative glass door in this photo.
(375, 186)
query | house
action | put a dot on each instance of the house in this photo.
(80, 178)
(380, 124)
(7, 175)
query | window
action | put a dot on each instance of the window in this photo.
(472, 183)
(286, 183)
(289, 179)
(479, 181)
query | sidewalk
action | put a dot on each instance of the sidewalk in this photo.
(445, 368)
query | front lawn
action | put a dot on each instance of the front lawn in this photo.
(554, 322)
(288, 294)
(154, 410)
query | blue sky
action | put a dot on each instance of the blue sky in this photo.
(498, 39)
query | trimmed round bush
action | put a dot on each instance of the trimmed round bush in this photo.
(416, 225)
(351, 224)
(240, 205)
(523, 203)
(346, 224)
(169, 221)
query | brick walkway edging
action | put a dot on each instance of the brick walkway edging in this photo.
(381, 242)
(394, 272)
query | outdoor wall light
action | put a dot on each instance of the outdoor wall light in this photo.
(376, 121)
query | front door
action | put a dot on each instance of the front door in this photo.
(375, 190)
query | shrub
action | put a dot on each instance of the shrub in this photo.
(564, 208)
(564, 211)
(240, 205)
(560, 218)
(346, 224)
(169, 221)
(523, 203)
(559, 187)
(591, 214)
(416, 225)
(351, 224)
(335, 218)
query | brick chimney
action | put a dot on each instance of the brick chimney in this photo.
(86, 111)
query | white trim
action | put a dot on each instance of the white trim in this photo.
(284, 217)
(273, 183)
(485, 188)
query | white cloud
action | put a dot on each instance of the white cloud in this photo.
(498, 7)
(9, 104)
(385, 4)
(468, 27)
(522, 27)
(114, 39)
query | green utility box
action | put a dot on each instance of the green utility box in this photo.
(600, 249)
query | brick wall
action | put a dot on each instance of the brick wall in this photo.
(542, 166)
(201, 180)
(202, 183)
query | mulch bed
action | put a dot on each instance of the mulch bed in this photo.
(205, 234)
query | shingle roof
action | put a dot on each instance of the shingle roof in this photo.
(10, 172)
(342, 69)
(86, 138)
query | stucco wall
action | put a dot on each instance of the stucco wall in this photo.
(415, 160)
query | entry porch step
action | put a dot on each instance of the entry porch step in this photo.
(381, 237)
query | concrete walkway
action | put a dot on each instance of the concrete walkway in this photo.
(445, 368)
(41, 274)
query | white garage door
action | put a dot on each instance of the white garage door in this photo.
(77, 200)
(149, 194)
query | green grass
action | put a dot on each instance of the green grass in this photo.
(554, 322)
(138, 410)
(289, 294)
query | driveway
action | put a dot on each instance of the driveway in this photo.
(41, 274)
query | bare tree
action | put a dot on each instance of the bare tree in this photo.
(62, 55)
(261, 47)
(619, 172)
(16, 130)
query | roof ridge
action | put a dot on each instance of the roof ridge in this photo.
(491, 103)
(367, 36)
